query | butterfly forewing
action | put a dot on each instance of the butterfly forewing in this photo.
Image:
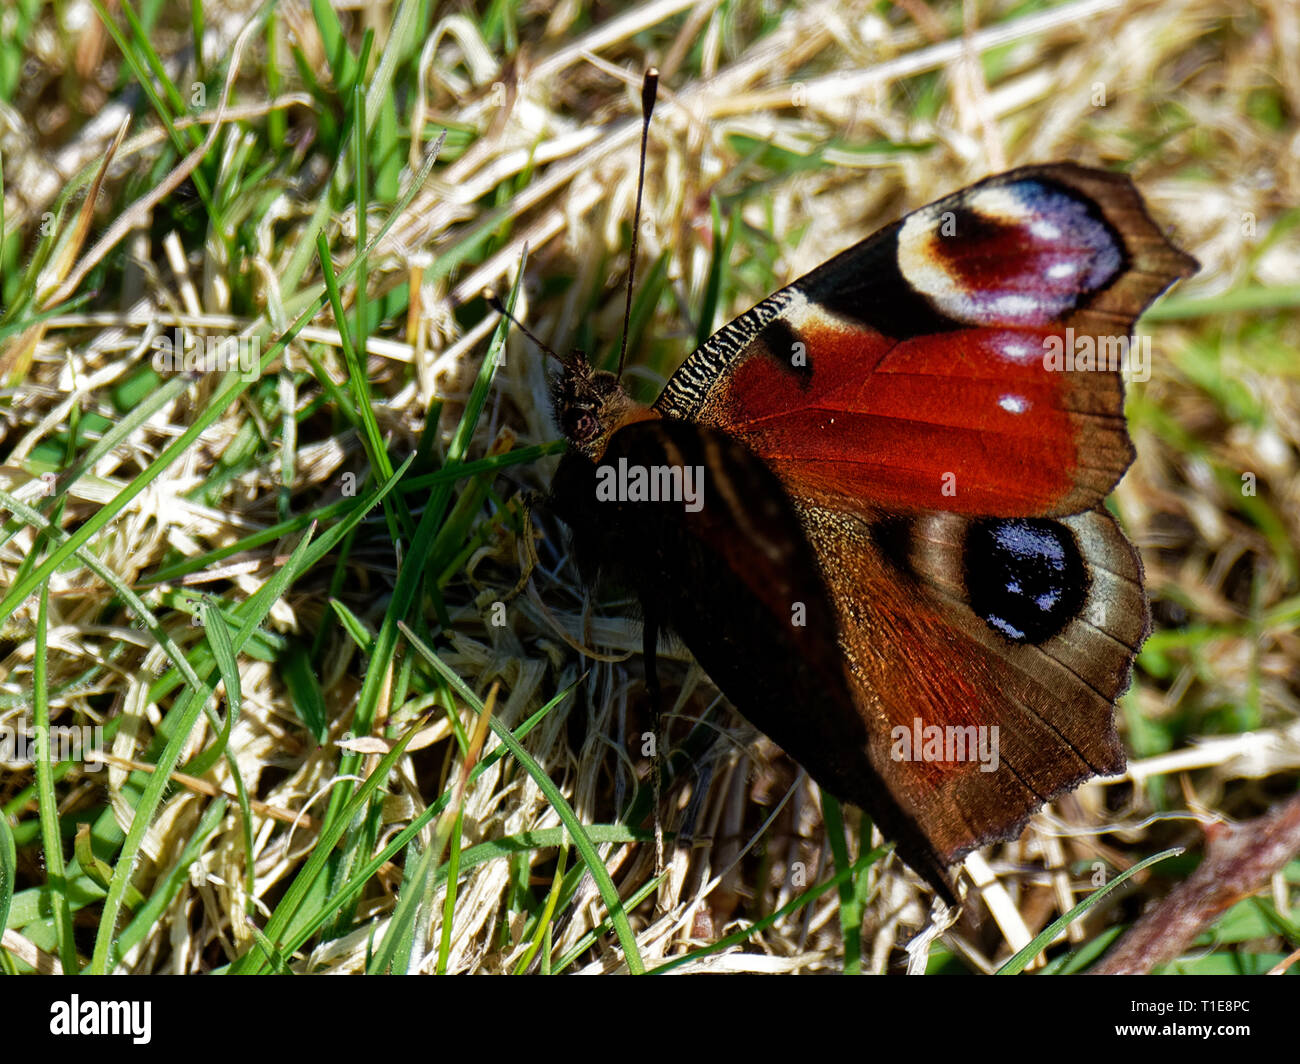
(909, 370)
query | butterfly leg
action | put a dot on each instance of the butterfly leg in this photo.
(527, 547)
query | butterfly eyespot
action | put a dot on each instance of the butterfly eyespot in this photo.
(1025, 577)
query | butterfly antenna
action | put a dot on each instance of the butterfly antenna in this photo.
(648, 87)
(495, 303)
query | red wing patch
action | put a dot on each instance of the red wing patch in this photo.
(967, 421)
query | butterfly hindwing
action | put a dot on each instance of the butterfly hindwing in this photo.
(1019, 695)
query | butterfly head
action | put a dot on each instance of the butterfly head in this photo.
(590, 406)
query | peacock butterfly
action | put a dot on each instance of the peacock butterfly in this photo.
(872, 506)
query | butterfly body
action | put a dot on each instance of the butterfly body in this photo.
(872, 507)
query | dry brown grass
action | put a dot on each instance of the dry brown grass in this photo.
(865, 115)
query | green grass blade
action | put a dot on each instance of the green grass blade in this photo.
(233, 388)
(51, 834)
(8, 870)
(844, 875)
(586, 848)
(485, 852)
(1016, 964)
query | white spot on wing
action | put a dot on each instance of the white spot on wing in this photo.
(1014, 349)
